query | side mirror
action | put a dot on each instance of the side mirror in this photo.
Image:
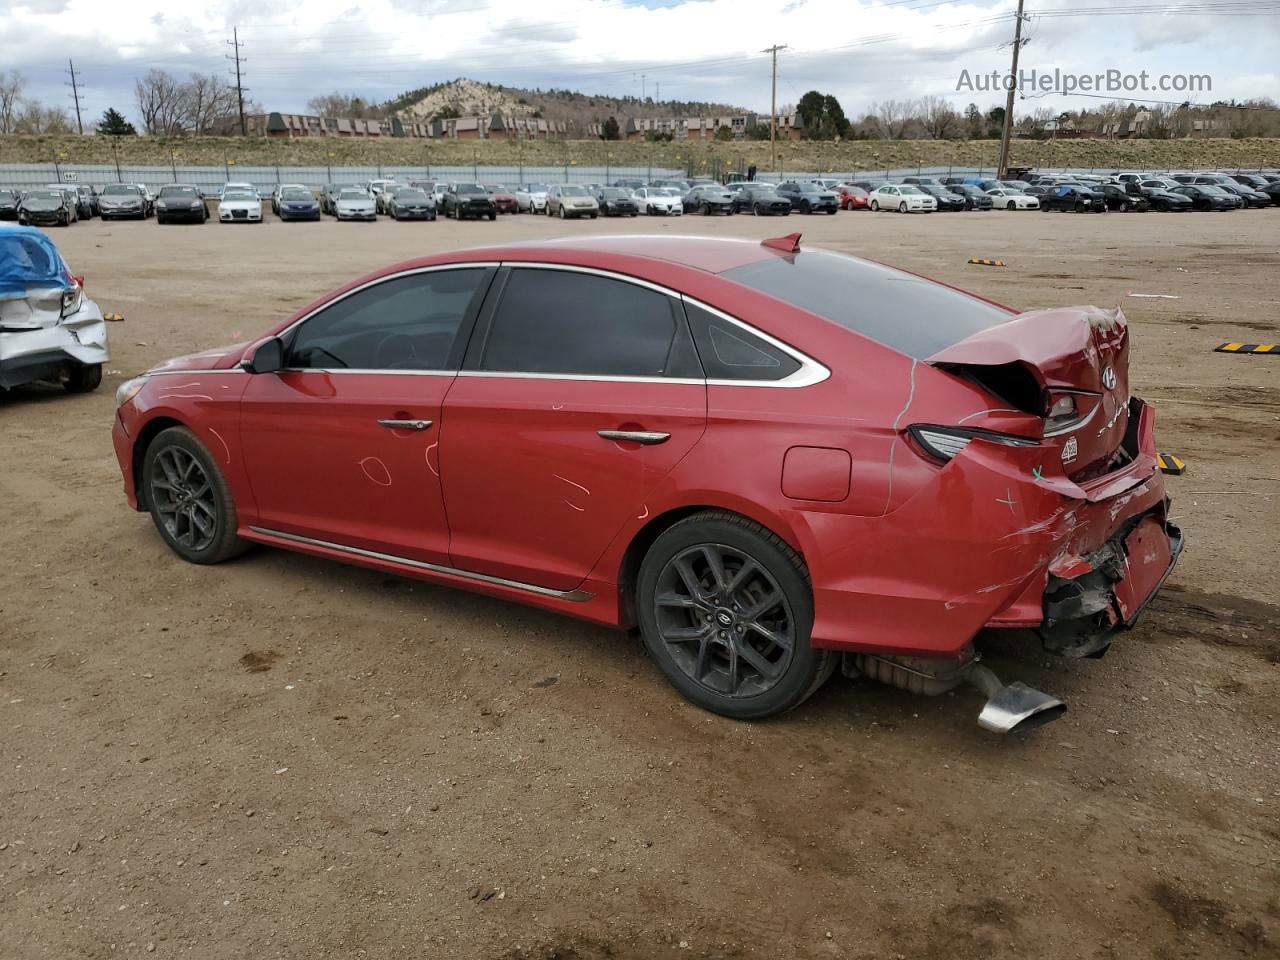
(268, 358)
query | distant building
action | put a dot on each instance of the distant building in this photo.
(789, 127)
(491, 127)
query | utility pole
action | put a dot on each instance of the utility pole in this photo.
(642, 89)
(773, 104)
(657, 91)
(1007, 132)
(234, 43)
(75, 94)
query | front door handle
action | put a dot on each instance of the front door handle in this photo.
(635, 436)
(405, 424)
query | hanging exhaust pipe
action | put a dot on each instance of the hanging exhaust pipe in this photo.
(1015, 707)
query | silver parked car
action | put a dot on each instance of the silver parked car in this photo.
(354, 203)
(571, 200)
(122, 200)
(52, 331)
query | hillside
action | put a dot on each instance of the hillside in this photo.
(815, 156)
(578, 110)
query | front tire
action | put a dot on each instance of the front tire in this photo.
(191, 504)
(902, 207)
(726, 608)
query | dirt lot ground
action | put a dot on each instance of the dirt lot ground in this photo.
(283, 757)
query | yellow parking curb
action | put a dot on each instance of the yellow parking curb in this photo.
(1170, 464)
(986, 263)
(1248, 348)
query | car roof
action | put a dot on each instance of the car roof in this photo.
(634, 254)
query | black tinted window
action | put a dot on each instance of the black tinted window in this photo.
(408, 323)
(915, 316)
(728, 352)
(556, 321)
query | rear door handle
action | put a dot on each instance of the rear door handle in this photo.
(405, 424)
(635, 436)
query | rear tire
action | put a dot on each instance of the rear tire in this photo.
(191, 504)
(84, 379)
(725, 608)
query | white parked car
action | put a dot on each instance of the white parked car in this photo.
(531, 198)
(659, 200)
(902, 197)
(354, 203)
(51, 330)
(239, 206)
(1004, 198)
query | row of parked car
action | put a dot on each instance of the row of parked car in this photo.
(64, 204)
(1080, 193)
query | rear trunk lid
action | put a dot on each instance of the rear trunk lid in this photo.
(1069, 366)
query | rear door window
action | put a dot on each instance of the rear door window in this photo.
(566, 322)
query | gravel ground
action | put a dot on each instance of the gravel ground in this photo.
(283, 757)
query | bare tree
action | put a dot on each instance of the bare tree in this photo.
(209, 103)
(35, 117)
(893, 117)
(938, 118)
(343, 105)
(161, 103)
(10, 99)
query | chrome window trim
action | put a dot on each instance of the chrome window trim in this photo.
(810, 372)
(575, 596)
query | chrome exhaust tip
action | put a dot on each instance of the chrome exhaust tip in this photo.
(1015, 707)
(1018, 707)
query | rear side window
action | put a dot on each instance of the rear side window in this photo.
(559, 321)
(406, 323)
(910, 314)
(729, 352)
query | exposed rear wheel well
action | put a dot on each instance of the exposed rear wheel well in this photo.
(145, 436)
(644, 539)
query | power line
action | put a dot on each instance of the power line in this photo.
(234, 43)
(75, 93)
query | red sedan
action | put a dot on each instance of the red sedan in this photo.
(853, 198)
(773, 461)
(503, 198)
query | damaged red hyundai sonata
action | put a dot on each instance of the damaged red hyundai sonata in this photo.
(774, 461)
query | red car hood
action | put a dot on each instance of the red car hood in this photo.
(1080, 353)
(219, 358)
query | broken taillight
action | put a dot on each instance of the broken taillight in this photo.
(943, 443)
(1068, 410)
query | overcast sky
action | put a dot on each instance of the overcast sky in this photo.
(687, 49)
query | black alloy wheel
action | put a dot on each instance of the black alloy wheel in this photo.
(725, 608)
(190, 502)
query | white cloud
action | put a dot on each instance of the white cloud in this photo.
(693, 50)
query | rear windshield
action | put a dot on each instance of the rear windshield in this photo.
(910, 314)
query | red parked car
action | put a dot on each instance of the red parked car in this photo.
(853, 198)
(773, 461)
(503, 198)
